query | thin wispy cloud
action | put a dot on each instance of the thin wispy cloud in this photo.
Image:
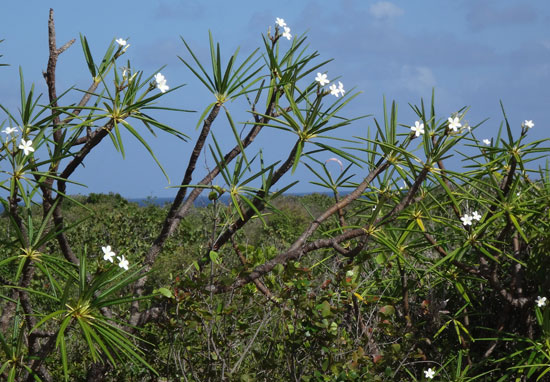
(417, 79)
(385, 10)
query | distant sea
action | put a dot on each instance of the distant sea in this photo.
(202, 200)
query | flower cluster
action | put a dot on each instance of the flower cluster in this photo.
(417, 129)
(108, 255)
(286, 30)
(25, 145)
(467, 219)
(161, 83)
(541, 301)
(334, 90)
(487, 141)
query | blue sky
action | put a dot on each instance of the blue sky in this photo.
(473, 52)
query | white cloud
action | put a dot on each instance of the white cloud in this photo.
(385, 10)
(417, 79)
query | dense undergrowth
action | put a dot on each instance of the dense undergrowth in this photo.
(381, 317)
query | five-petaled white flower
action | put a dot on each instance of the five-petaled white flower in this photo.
(26, 146)
(120, 41)
(123, 262)
(418, 128)
(341, 88)
(487, 141)
(334, 90)
(454, 123)
(287, 34)
(476, 216)
(541, 301)
(9, 130)
(280, 22)
(108, 254)
(159, 78)
(466, 219)
(322, 79)
(429, 373)
(161, 83)
(529, 124)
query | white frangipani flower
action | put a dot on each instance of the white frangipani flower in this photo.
(159, 78)
(108, 253)
(161, 83)
(286, 33)
(541, 301)
(322, 79)
(418, 128)
(466, 219)
(334, 90)
(280, 22)
(26, 146)
(9, 130)
(487, 141)
(341, 88)
(476, 216)
(163, 87)
(528, 123)
(121, 41)
(123, 262)
(429, 373)
(454, 123)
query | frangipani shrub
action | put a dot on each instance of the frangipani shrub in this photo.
(408, 271)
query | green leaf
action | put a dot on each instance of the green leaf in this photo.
(325, 309)
(88, 55)
(214, 257)
(165, 292)
(518, 228)
(299, 147)
(387, 310)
